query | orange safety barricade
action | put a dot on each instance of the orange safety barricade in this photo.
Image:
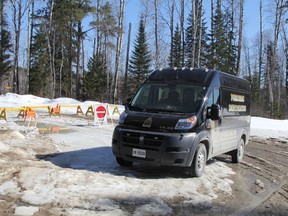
(55, 110)
(30, 114)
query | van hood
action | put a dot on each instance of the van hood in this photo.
(151, 121)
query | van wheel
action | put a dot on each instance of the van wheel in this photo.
(199, 161)
(122, 162)
(238, 154)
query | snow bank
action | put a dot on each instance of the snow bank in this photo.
(269, 128)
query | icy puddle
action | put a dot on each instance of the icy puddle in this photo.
(46, 128)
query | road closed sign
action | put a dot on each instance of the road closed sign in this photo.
(100, 116)
(100, 111)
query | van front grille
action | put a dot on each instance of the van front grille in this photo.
(142, 140)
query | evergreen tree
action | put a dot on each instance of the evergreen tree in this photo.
(231, 50)
(63, 50)
(176, 58)
(94, 80)
(222, 51)
(140, 61)
(5, 45)
(189, 40)
(39, 72)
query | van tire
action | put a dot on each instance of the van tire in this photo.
(199, 162)
(238, 154)
(123, 162)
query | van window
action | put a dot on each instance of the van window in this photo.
(214, 98)
(163, 97)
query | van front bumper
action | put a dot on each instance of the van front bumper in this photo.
(157, 148)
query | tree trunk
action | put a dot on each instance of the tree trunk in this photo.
(70, 54)
(278, 21)
(156, 35)
(193, 34)
(260, 45)
(182, 31)
(118, 50)
(78, 69)
(172, 32)
(269, 68)
(127, 61)
(212, 30)
(199, 19)
(98, 27)
(240, 36)
(17, 30)
(61, 68)
(50, 49)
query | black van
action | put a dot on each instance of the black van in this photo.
(183, 117)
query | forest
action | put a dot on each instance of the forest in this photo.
(84, 49)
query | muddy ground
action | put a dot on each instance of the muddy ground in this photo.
(260, 182)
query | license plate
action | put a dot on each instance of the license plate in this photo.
(139, 153)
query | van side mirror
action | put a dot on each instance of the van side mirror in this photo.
(213, 112)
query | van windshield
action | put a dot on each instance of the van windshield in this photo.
(178, 98)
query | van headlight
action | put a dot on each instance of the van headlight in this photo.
(188, 123)
(122, 117)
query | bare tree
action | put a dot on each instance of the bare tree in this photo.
(199, 20)
(156, 34)
(277, 27)
(29, 38)
(118, 49)
(193, 33)
(127, 61)
(260, 44)
(212, 28)
(240, 36)
(19, 11)
(182, 30)
(51, 35)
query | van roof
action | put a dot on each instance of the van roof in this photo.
(198, 76)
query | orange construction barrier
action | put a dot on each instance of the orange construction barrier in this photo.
(55, 110)
(29, 113)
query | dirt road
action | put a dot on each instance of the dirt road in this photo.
(260, 183)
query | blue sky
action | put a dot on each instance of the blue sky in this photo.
(251, 15)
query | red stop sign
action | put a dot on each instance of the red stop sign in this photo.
(100, 111)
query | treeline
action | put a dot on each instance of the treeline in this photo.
(170, 33)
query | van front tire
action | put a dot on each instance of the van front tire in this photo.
(238, 154)
(199, 162)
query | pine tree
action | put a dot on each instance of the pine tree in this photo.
(94, 80)
(5, 45)
(231, 50)
(176, 58)
(39, 72)
(222, 51)
(140, 60)
(62, 52)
